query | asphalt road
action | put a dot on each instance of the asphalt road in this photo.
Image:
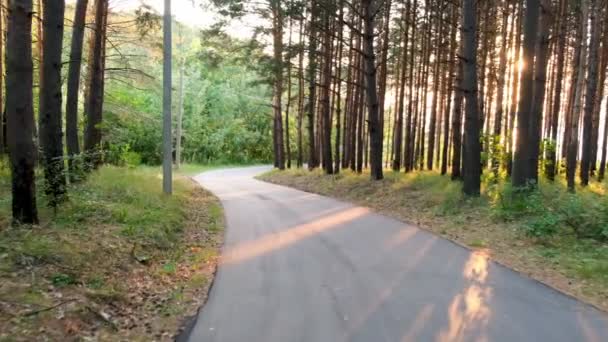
(303, 267)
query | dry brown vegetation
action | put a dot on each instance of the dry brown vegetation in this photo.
(119, 261)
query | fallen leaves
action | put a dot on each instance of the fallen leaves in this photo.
(111, 288)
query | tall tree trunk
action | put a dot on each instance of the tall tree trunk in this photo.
(409, 130)
(94, 101)
(450, 86)
(516, 78)
(592, 74)
(519, 173)
(288, 105)
(604, 146)
(436, 87)
(457, 121)
(277, 44)
(20, 111)
(2, 114)
(179, 119)
(551, 165)
(313, 162)
(576, 108)
(325, 96)
(383, 68)
(49, 117)
(300, 157)
(472, 156)
(71, 106)
(500, 89)
(338, 87)
(540, 76)
(398, 129)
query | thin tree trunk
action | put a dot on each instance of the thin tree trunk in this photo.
(551, 165)
(450, 87)
(604, 146)
(180, 115)
(338, 87)
(325, 97)
(409, 129)
(73, 85)
(300, 158)
(288, 105)
(576, 108)
(592, 74)
(94, 103)
(277, 43)
(312, 87)
(514, 91)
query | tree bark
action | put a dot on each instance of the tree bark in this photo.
(94, 101)
(327, 162)
(73, 85)
(277, 44)
(300, 157)
(472, 156)
(49, 117)
(551, 165)
(520, 172)
(2, 114)
(592, 74)
(576, 108)
(450, 91)
(500, 89)
(375, 132)
(20, 111)
(179, 119)
(312, 86)
(538, 100)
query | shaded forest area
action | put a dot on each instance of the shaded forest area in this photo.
(509, 87)
(505, 91)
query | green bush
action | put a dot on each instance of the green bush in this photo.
(549, 209)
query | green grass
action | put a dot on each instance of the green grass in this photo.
(117, 236)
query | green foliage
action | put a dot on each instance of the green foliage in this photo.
(548, 147)
(549, 209)
(226, 117)
(62, 280)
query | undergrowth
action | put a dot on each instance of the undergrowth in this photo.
(120, 259)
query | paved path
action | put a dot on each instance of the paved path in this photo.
(301, 267)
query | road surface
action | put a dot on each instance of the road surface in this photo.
(302, 267)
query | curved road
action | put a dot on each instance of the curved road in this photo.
(302, 267)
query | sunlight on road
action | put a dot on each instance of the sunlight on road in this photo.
(385, 295)
(469, 312)
(272, 242)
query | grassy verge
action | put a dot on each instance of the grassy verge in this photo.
(548, 234)
(119, 261)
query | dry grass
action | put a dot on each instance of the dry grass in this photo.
(120, 261)
(573, 265)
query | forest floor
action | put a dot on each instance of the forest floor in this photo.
(118, 261)
(508, 232)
